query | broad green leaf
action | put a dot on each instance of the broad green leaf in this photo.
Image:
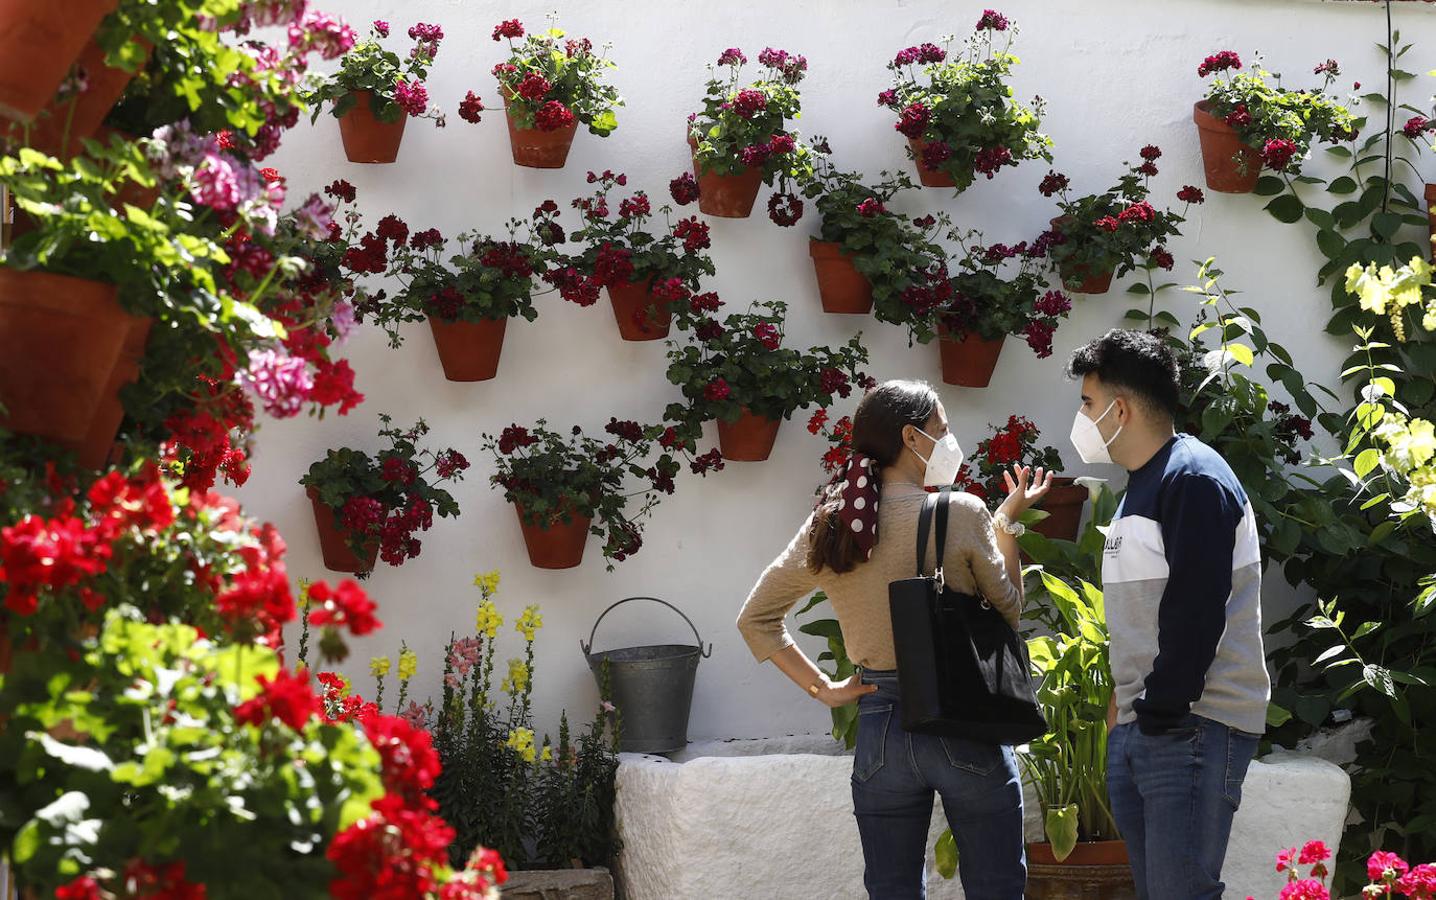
(1062, 830)
(946, 854)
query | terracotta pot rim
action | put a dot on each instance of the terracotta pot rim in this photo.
(1202, 115)
(1431, 191)
(1086, 853)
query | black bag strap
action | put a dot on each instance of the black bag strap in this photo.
(943, 496)
(924, 525)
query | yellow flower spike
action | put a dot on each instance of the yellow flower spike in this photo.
(487, 583)
(517, 679)
(547, 753)
(488, 621)
(529, 623)
(521, 741)
(379, 666)
(408, 663)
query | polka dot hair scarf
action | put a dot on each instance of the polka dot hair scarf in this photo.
(858, 502)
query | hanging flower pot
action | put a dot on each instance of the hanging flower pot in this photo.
(39, 40)
(749, 439)
(333, 541)
(66, 122)
(60, 342)
(539, 149)
(726, 196)
(1231, 166)
(641, 316)
(967, 360)
(469, 351)
(366, 139)
(558, 544)
(97, 447)
(926, 175)
(1080, 279)
(1097, 870)
(1431, 217)
(841, 287)
(1063, 505)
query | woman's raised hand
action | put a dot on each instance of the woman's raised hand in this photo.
(1024, 488)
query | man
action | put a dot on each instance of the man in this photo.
(1182, 576)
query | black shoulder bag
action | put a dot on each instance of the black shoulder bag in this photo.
(962, 670)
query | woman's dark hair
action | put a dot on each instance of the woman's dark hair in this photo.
(877, 433)
(1137, 362)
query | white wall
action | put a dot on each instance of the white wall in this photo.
(1116, 75)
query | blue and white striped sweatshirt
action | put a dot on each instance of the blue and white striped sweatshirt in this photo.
(1181, 572)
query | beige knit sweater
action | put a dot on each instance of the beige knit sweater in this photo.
(972, 564)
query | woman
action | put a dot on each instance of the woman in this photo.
(901, 444)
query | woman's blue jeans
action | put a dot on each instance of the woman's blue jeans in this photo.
(895, 775)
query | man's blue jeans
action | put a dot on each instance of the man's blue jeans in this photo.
(1173, 796)
(895, 775)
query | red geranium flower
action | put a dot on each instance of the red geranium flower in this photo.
(471, 107)
(684, 189)
(509, 28)
(552, 116)
(717, 390)
(286, 697)
(345, 606)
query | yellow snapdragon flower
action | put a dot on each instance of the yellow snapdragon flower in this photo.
(488, 621)
(518, 677)
(529, 623)
(487, 583)
(521, 741)
(408, 663)
(379, 666)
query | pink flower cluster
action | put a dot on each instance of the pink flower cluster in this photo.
(281, 382)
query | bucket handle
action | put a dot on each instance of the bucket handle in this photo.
(586, 647)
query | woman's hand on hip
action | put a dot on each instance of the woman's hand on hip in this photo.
(1025, 486)
(842, 693)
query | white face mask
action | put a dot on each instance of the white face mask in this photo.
(1087, 437)
(944, 462)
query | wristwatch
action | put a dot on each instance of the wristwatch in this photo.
(1016, 529)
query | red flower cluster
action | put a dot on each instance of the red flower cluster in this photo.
(573, 285)
(748, 103)
(923, 53)
(286, 697)
(912, 121)
(684, 189)
(635, 207)
(991, 159)
(693, 233)
(992, 20)
(1141, 211)
(785, 209)
(1219, 62)
(1239, 117)
(936, 153)
(1053, 183)
(509, 28)
(613, 265)
(258, 598)
(534, 86)
(768, 335)
(871, 207)
(509, 258)
(712, 461)
(394, 853)
(1191, 194)
(515, 437)
(1416, 126)
(716, 390)
(471, 108)
(553, 116)
(1278, 153)
(732, 57)
(1162, 258)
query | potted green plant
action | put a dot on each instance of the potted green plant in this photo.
(1015, 444)
(1100, 236)
(376, 91)
(467, 299)
(740, 374)
(1248, 121)
(1067, 767)
(860, 240)
(646, 272)
(367, 506)
(741, 139)
(564, 486)
(958, 113)
(550, 85)
(987, 304)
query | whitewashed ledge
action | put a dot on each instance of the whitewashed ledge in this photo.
(773, 818)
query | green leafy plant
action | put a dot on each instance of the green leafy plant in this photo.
(745, 127)
(548, 82)
(1278, 122)
(1114, 231)
(387, 497)
(485, 279)
(990, 304)
(394, 85)
(741, 365)
(845, 718)
(962, 108)
(552, 477)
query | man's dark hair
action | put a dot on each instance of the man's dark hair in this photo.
(1137, 362)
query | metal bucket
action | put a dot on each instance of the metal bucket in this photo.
(651, 687)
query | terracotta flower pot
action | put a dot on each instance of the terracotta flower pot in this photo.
(97, 448)
(841, 287)
(927, 176)
(60, 342)
(469, 351)
(1231, 166)
(62, 127)
(557, 545)
(366, 139)
(967, 360)
(1093, 871)
(749, 439)
(338, 557)
(726, 196)
(1080, 279)
(1431, 217)
(538, 149)
(640, 315)
(39, 40)
(1063, 504)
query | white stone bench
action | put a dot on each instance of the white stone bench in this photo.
(774, 819)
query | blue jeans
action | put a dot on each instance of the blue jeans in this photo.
(894, 777)
(1173, 796)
